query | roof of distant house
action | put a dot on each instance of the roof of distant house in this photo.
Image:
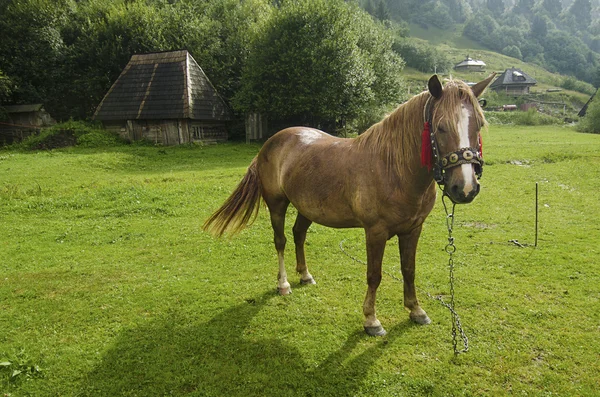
(470, 62)
(35, 107)
(513, 76)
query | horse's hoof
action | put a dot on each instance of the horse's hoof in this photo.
(422, 319)
(375, 331)
(284, 291)
(309, 281)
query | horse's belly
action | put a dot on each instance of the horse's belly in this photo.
(325, 206)
(326, 217)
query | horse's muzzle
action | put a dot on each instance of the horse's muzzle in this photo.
(459, 194)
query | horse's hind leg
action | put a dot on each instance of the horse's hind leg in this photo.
(277, 209)
(408, 248)
(300, 227)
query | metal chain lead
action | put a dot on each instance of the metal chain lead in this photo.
(450, 249)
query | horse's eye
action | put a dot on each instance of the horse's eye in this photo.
(441, 130)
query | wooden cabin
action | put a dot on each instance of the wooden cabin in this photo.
(470, 65)
(21, 121)
(513, 82)
(165, 98)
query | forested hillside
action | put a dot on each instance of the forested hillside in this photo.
(561, 36)
(325, 63)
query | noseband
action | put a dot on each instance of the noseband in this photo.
(439, 163)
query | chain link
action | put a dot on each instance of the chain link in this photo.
(450, 249)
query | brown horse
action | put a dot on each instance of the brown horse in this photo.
(377, 182)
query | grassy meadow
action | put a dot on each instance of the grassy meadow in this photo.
(109, 286)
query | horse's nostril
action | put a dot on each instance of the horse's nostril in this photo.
(455, 190)
(477, 188)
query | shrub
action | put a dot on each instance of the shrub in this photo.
(530, 117)
(591, 121)
(70, 133)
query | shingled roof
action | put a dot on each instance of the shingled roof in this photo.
(164, 85)
(513, 76)
(470, 62)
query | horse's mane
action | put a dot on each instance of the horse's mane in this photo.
(398, 136)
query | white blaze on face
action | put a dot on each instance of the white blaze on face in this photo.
(308, 136)
(463, 132)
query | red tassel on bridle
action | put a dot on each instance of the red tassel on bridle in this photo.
(480, 146)
(426, 149)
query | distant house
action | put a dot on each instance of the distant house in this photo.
(20, 121)
(470, 65)
(513, 82)
(165, 98)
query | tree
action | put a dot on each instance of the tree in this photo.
(553, 7)
(318, 61)
(523, 7)
(565, 53)
(512, 51)
(5, 87)
(496, 7)
(539, 27)
(381, 12)
(421, 56)
(582, 13)
(591, 121)
(32, 50)
(480, 27)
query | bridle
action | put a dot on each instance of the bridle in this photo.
(430, 154)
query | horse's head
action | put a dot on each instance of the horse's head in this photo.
(455, 120)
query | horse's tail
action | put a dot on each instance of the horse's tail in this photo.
(240, 209)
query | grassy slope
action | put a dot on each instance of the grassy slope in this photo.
(110, 286)
(455, 45)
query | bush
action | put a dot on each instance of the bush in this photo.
(571, 83)
(422, 56)
(70, 133)
(591, 121)
(530, 117)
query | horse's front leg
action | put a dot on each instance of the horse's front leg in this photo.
(375, 247)
(408, 249)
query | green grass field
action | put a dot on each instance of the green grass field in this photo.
(109, 287)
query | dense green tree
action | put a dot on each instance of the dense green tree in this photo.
(512, 51)
(480, 27)
(459, 10)
(433, 13)
(318, 61)
(523, 7)
(381, 12)
(496, 7)
(31, 48)
(581, 10)
(420, 55)
(553, 7)
(539, 27)
(6, 88)
(567, 54)
(596, 80)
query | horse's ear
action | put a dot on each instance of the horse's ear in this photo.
(482, 85)
(435, 87)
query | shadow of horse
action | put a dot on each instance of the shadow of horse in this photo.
(221, 357)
